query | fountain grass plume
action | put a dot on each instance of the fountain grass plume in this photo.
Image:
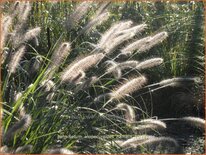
(15, 8)
(4, 149)
(194, 121)
(154, 121)
(156, 141)
(116, 68)
(112, 45)
(135, 29)
(115, 143)
(154, 40)
(22, 124)
(59, 151)
(128, 87)
(24, 149)
(5, 24)
(129, 112)
(110, 34)
(135, 141)
(102, 7)
(16, 58)
(130, 48)
(148, 125)
(30, 34)
(177, 81)
(149, 63)
(144, 44)
(118, 35)
(48, 85)
(60, 54)
(23, 13)
(79, 12)
(80, 65)
(95, 22)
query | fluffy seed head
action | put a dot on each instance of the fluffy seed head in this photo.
(24, 10)
(195, 121)
(148, 125)
(16, 58)
(95, 22)
(79, 12)
(112, 33)
(149, 63)
(153, 121)
(82, 65)
(129, 49)
(7, 20)
(24, 149)
(48, 85)
(177, 81)
(116, 68)
(59, 151)
(60, 54)
(32, 34)
(135, 141)
(154, 141)
(134, 30)
(128, 88)
(129, 112)
(154, 40)
(23, 124)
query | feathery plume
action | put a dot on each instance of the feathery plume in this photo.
(149, 63)
(129, 112)
(95, 22)
(135, 29)
(24, 10)
(57, 57)
(48, 85)
(59, 151)
(24, 149)
(4, 149)
(102, 8)
(62, 53)
(79, 12)
(102, 97)
(129, 49)
(144, 44)
(195, 121)
(128, 88)
(116, 68)
(178, 81)
(31, 34)
(16, 58)
(135, 141)
(22, 124)
(148, 125)
(111, 45)
(116, 143)
(34, 65)
(110, 34)
(87, 83)
(17, 96)
(155, 122)
(154, 141)
(15, 8)
(156, 39)
(82, 65)
(7, 20)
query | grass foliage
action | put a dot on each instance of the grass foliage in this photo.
(75, 75)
